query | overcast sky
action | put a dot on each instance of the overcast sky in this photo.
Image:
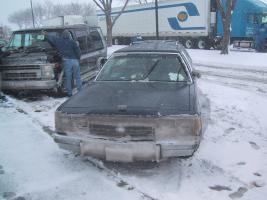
(9, 6)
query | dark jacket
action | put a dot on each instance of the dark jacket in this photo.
(67, 47)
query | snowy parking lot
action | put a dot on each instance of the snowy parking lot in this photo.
(231, 162)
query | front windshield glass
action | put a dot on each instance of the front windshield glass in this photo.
(29, 39)
(143, 67)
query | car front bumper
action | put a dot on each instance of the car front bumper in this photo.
(129, 151)
(29, 85)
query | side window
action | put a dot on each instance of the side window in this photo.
(252, 19)
(94, 41)
(81, 38)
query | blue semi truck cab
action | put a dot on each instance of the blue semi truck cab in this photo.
(249, 23)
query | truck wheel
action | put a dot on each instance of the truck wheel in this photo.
(189, 43)
(201, 44)
(116, 41)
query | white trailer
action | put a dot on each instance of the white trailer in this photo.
(190, 21)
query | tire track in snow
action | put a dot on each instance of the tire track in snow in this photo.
(24, 109)
(261, 71)
(239, 82)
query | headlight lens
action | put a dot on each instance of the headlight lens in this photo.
(48, 71)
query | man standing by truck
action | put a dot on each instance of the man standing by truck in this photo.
(70, 53)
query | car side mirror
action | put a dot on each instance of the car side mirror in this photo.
(196, 74)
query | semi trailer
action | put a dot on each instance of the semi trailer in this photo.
(195, 23)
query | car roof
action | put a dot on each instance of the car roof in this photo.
(154, 46)
(76, 26)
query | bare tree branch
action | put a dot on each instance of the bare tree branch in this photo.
(220, 7)
(106, 7)
(119, 14)
(98, 5)
(226, 13)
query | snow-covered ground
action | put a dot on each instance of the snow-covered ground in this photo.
(231, 162)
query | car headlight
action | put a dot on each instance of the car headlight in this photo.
(48, 71)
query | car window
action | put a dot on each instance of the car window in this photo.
(138, 67)
(168, 69)
(29, 39)
(94, 41)
(81, 38)
(16, 41)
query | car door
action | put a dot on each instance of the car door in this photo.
(95, 46)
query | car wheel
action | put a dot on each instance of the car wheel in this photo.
(60, 92)
(189, 43)
(201, 44)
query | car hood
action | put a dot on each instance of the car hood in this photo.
(131, 98)
(23, 58)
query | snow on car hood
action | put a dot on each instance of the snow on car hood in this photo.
(132, 98)
(25, 58)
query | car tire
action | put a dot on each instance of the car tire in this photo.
(201, 44)
(189, 44)
(116, 41)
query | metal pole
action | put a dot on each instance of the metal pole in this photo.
(32, 16)
(157, 19)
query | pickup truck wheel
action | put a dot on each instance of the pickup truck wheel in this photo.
(189, 43)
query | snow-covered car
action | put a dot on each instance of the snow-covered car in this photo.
(143, 105)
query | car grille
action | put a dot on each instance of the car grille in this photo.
(12, 76)
(134, 132)
(21, 72)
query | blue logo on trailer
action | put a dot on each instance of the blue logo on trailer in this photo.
(191, 10)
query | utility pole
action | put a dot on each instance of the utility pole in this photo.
(157, 19)
(32, 15)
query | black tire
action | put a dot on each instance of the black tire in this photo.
(201, 44)
(189, 43)
(60, 92)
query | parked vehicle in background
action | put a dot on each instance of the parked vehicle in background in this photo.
(31, 63)
(143, 105)
(196, 24)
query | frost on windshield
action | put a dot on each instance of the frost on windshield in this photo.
(139, 67)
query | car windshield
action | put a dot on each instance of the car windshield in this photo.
(143, 67)
(21, 40)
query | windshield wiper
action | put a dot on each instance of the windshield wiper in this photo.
(150, 69)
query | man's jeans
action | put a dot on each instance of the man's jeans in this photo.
(72, 69)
